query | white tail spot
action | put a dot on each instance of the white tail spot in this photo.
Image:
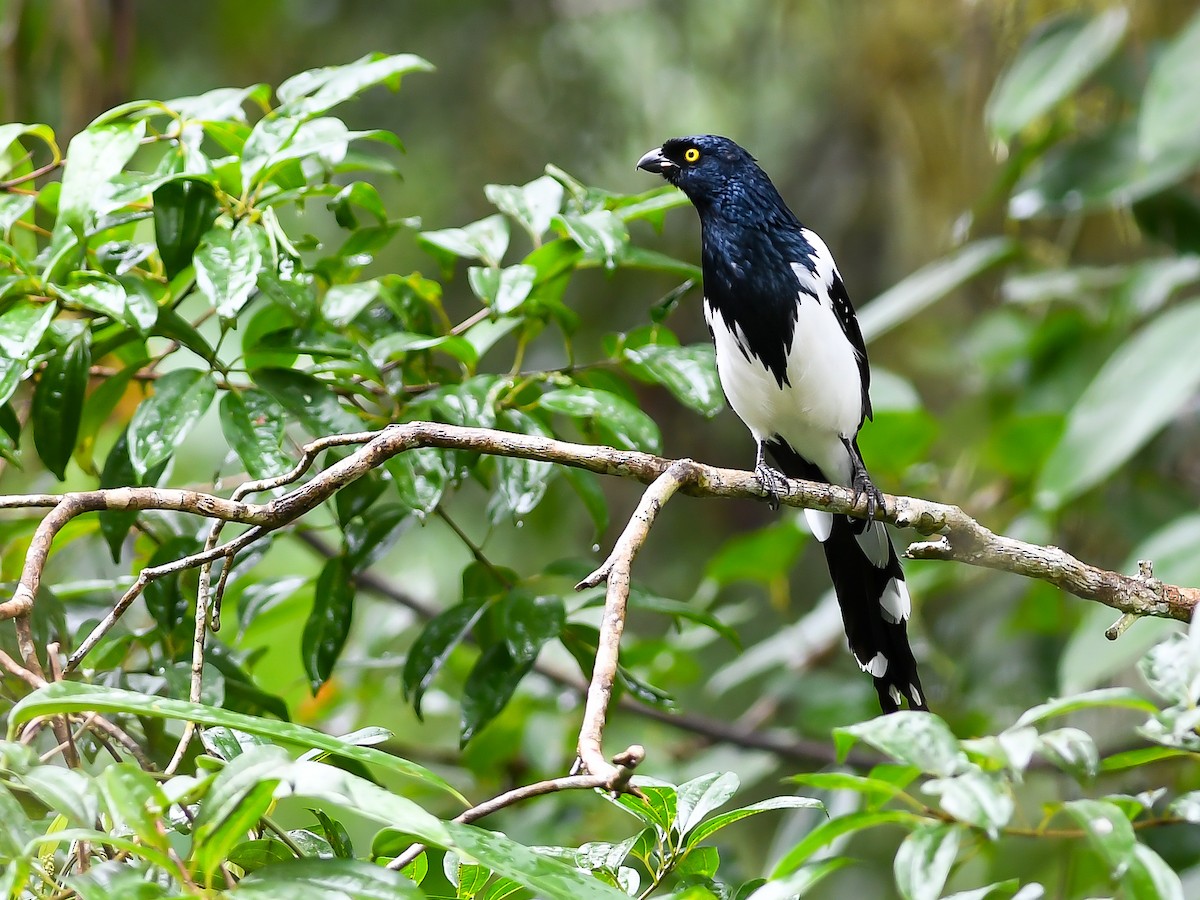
(874, 544)
(916, 695)
(894, 693)
(895, 603)
(820, 523)
(877, 667)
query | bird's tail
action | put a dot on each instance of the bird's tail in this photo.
(870, 589)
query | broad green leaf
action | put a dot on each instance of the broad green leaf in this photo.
(97, 293)
(924, 859)
(433, 647)
(875, 791)
(1167, 120)
(1141, 387)
(98, 409)
(21, 328)
(709, 827)
(162, 421)
(488, 688)
(631, 428)
(927, 285)
(656, 806)
(319, 90)
(369, 537)
(600, 234)
(1133, 759)
(184, 211)
(117, 472)
(678, 609)
(277, 139)
(361, 194)
(1150, 878)
(227, 266)
(976, 798)
(95, 156)
(799, 882)
(58, 399)
(250, 856)
(1072, 750)
(420, 476)
(253, 424)
(308, 399)
(832, 829)
(15, 825)
(529, 621)
(14, 131)
(1051, 66)
(328, 623)
(697, 798)
(1108, 831)
(72, 697)
(228, 743)
(343, 302)
(689, 373)
(64, 791)
(918, 739)
(1121, 698)
(486, 239)
(520, 484)
(134, 801)
(165, 598)
(532, 205)
(220, 103)
(504, 290)
(239, 796)
(587, 487)
(1172, 670)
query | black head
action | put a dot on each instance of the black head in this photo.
(714, 172)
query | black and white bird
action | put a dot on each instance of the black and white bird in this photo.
(793, 366)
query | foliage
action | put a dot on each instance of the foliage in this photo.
(208, 286)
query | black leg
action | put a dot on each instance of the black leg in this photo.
(774, 483)
(860, 481)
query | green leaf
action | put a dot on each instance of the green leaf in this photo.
(1150, 878)
(227, 266)
(135, 801)
(319, 90)
(72, 697)
(343, 302)
(504, 290)
(1167, 121)
(239, 796)
(99, 407)
(529, 621)
(21, 328)
(918, 739)
(689, 373)
(630, 428)
(165, 599)
(1051, 66)
(931, 283)
(486, 239)
(58, 399)
(95, 157)
(336, 834)
(275, 140)
(308, 399)
(162, 422)
(976, 798)
(1108, 831)
(677, 609)
(600, 234)
(184, 211)
(97, 293)
(328, 624)
(1171, 669)
(656, 806)
(369, 537)
(362, 194)
(1072, 750)
(762, 556)
(64, 791)
(520, 484)
(1141, 387)
(829, 831)
(488, 688)
(1133, 759)
(532, 205)
(420, 477)
(798, 883)
(1120, 698)
(433, 647)
(709, 827)
(587, 487)
(924, 860)
(253, 424)
(875, 791)
(697, 798)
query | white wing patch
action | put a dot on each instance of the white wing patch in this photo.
(820, 523)
(895, 603)
(877, 667)
(874, 543)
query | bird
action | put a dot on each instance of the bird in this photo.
(793, 365)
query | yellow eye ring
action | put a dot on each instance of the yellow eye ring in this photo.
(691, 154)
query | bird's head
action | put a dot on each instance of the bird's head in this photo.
(712, 170)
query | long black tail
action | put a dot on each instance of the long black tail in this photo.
(870, 589)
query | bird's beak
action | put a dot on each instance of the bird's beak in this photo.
(655, 161)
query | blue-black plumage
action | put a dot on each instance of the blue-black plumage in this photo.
(793, 365)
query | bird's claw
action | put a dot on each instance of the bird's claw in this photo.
(864, 487)
(774, 483)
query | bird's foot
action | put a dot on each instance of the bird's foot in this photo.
(862, 486)
(774, 483)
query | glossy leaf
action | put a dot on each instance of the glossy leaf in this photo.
(631, 428)
(532, 205)
(711, 826)
(165, 597)
(1139, 389)
(1149, 877)
(58, 399)
(918, 739)
(343, 302)
(1051, 66)
(520, 484)
(689, 373)
(488, 688)
(228, 264)
(875, 791)
(504, 290)
(1072, 750)
(162, 421)
(308, 399)
(529, 621)
(829, 831)
(797, 883)
(486, 239)
(94, 157)
(184, 211)
(1108, 831)
(319, 90)
(1121, 698)
(72, 697)
(328, 623)
(254, 423)
(1167, 120)
(976, 798)
(924, 859)
(433, 647)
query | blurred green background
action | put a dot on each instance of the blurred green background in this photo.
(870, 117)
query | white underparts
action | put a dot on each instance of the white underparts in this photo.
(894, 603)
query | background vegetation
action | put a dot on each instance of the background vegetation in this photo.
(1010, 189)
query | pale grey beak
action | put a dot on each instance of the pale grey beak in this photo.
(655, 161)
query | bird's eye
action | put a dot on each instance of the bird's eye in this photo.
(691, 154)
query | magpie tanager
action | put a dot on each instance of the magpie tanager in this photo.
(793, 366)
